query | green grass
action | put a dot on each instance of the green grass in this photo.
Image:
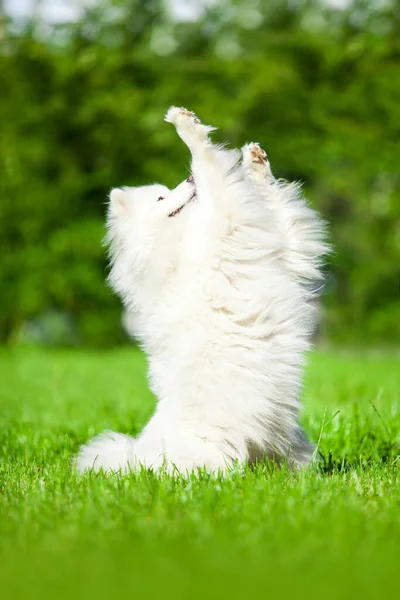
(335, 534)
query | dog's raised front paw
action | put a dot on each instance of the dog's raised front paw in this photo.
(188, 126)
(256, 161)
(258, 154)
(176, 115)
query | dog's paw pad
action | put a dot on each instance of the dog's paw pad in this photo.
(256, 161)
(184, 112)
(258, 154)
(188, 126)
(176, 114)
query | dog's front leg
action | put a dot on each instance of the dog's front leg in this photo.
(206, 168)
(300, 229)
(190, 129)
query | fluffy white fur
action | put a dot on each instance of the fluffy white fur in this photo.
(215, 275)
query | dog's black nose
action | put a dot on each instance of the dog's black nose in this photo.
(190, 179)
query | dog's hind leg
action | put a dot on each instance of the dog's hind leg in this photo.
(301, 230)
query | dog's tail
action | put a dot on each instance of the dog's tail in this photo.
(109, 451)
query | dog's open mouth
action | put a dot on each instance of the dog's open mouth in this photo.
(178, 210)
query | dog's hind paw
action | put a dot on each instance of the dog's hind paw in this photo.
(256, 162)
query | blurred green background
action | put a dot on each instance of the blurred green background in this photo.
(81, 109)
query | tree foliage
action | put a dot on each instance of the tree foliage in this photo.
(81, 109)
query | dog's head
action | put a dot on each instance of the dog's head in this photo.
(147, 224)
(150, 205)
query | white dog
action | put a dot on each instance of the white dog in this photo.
(216, 276)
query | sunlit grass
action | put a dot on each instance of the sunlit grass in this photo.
(334, 533)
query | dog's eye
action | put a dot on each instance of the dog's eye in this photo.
(160, 198)
(190, 179)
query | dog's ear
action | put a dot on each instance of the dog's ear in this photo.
(118, 201)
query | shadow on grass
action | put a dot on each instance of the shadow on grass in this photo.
(384, 453)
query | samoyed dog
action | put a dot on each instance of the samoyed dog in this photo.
(217, 276)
